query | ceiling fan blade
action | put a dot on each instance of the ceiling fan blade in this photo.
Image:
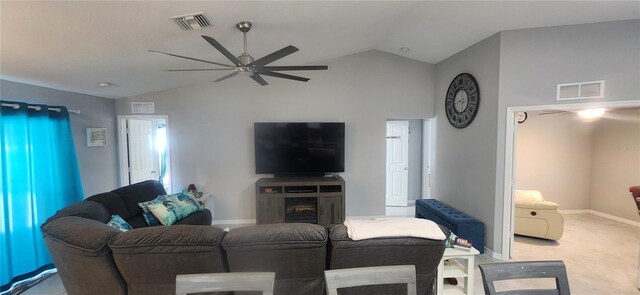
(196, 70)
(285, 76)
(191, 58)
(259, 79)
(223, 50)
(274, 56)
(295, 68)
(226, 77)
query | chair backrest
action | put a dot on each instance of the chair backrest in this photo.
(525, 270)
(377, 275)
(221, 282)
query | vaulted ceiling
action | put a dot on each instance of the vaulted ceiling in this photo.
(74, 45)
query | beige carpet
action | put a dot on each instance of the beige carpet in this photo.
(601, 256)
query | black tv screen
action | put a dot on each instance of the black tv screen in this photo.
(299, 148)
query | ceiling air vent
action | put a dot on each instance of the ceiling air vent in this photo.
(192, 21)
(583, 90)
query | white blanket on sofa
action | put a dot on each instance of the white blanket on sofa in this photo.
(361, 229)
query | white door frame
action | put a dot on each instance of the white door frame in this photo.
(123, 161)
(508, 213)
(427, 157)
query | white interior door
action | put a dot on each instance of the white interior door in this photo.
(141, 150)
(397, 163)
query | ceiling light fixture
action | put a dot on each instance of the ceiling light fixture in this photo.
(105, 84)
(591, 113)
(405, 49)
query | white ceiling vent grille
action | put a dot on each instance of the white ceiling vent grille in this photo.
(142, 107)
(192, 21)
(582, 90)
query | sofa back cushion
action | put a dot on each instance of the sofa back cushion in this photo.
(85, 209)
(139, 192)
(425, 254)
(296, 252)
(150, 258)
(113, 203)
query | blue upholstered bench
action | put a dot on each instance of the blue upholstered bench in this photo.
(459, 223)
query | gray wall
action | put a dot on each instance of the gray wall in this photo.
(616, 163)
(211, 125)
(534, 61)
(415, 158)
(466, 158)
(554, 156)
(98, 167)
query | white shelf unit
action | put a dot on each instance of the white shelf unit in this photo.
(460, 265)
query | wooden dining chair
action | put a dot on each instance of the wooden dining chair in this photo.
(525, 270)
(222, 282)
(377, 275)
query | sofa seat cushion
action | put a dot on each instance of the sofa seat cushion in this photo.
(198, 218)
(276, 236)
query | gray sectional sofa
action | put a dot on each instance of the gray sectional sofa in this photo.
(93, 258)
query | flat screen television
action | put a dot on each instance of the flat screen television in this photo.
(290, 149)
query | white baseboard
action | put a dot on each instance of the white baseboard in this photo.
(616, 218)
(492, 254)
(575, 211)
(602, 214)
(234, 221)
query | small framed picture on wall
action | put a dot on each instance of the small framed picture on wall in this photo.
(96, 137)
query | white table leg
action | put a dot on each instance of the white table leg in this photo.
(468, 282)
(440, 278)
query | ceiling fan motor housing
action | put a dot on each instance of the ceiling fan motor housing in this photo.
(244, 26)
(245, 58)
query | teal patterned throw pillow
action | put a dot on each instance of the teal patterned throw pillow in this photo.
(165, 212)
(118, 223)
(146, 213)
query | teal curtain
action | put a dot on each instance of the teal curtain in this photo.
(38, 175)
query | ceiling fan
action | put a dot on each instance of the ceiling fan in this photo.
(246, 63)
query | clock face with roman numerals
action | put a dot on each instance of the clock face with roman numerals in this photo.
(462, 101)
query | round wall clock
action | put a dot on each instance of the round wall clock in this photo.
(521, 117)
(462, 101)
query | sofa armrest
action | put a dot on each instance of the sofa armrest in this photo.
(81, 234)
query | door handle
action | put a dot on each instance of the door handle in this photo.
(405, 168)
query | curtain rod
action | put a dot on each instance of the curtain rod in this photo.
(37, 108)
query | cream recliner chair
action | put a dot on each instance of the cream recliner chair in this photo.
(536, 217)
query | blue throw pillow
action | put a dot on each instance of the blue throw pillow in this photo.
(118, 223)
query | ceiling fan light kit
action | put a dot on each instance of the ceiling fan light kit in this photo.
(246, 63)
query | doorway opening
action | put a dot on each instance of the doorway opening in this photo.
(515, 181)
(408, 169)
(144, 149)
